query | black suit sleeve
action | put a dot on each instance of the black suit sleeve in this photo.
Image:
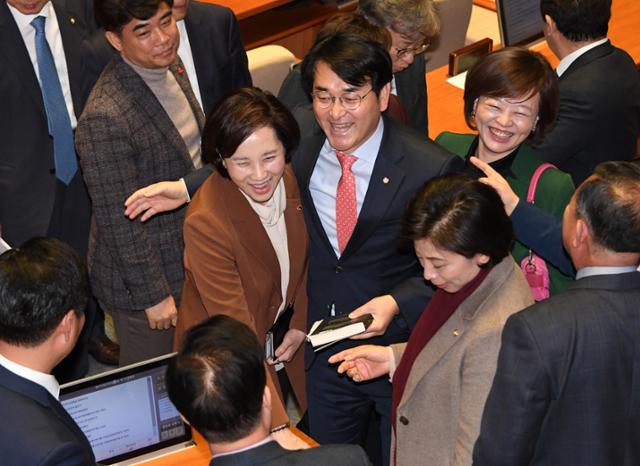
(194, 179)
(66, 454)
(542, 232)
(565, 138)
(517, 402)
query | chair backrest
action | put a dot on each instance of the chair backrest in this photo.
(454, 19)
(269, 65)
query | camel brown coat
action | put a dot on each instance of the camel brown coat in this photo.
(231, 268)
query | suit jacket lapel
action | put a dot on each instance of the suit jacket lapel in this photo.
(15, 52)
(179, 73)
(70, 31)
(198, 36)
(454, 328)
(305, 161)
(248, 228)
(297, 239)
(386, 179)
(148, 103)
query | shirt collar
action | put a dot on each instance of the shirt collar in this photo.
(602, 270)
(24, 21)
(502, 166)
(250, 447)
(368, 150)
(46, 381)
(567, 61)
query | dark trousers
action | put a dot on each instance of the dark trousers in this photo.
(342, 411)
(70, 222)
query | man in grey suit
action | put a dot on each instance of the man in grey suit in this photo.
(218, 383)
(141, 125)
(567, 387)
(599, 117)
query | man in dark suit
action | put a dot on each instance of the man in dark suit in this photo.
(218, 383)
(43, 293)
(599, 117)
(568, 378)
(36, 198)
(141, 125)
(353, 218)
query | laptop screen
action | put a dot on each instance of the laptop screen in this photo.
(126, 413)
(520, 21)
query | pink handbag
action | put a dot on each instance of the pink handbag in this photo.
(534, 267)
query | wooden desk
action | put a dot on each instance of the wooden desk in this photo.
(199, 455)
(445, 101)
(290, 23)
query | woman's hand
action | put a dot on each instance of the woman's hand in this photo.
(497, 182)
(364, 362)
(290, 344)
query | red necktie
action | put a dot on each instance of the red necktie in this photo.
(346, 207)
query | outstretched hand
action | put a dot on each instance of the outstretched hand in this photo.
(364, 362)
(155, 198)
(497, 182)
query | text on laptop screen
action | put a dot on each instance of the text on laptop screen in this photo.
(129, 413)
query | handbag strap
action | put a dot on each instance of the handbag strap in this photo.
(534, 181)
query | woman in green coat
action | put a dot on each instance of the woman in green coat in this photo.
(510, 97)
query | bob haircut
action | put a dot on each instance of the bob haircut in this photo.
(113, 15)
(514, 72)
(355, 59)
(238, 115)
(460, 214)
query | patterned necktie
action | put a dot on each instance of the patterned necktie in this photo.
(346, 207)
(64, 153)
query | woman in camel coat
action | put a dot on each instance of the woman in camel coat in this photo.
(245, 238)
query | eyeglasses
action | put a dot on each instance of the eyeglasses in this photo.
(400, 53)
(349, 101)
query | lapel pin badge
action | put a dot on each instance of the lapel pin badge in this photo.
(180, 69)
(385, 180)
(72, 20)
(299, 207)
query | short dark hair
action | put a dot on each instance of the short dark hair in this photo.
(458, 213)
(354, 23)
(609, 202)
(514, 72)
(579, 20)
(40, 282)
(355, 59)
(240, 113)
(113, 15)
(217, 379)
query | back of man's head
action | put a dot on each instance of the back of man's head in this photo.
(217, 380)
(40, 282)
(609, 202)
(579, 20)
(354, 58)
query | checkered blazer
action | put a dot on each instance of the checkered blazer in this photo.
(126, 141)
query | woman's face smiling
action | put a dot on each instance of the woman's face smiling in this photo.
(258, 164)
(504, 123)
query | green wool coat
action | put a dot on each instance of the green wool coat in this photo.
(553, 192)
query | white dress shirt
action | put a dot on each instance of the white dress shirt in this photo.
(327, 173)
(184, 52)
(566, 62)
(46, 381)
(52, 33)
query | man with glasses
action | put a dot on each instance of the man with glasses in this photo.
(357, 170)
